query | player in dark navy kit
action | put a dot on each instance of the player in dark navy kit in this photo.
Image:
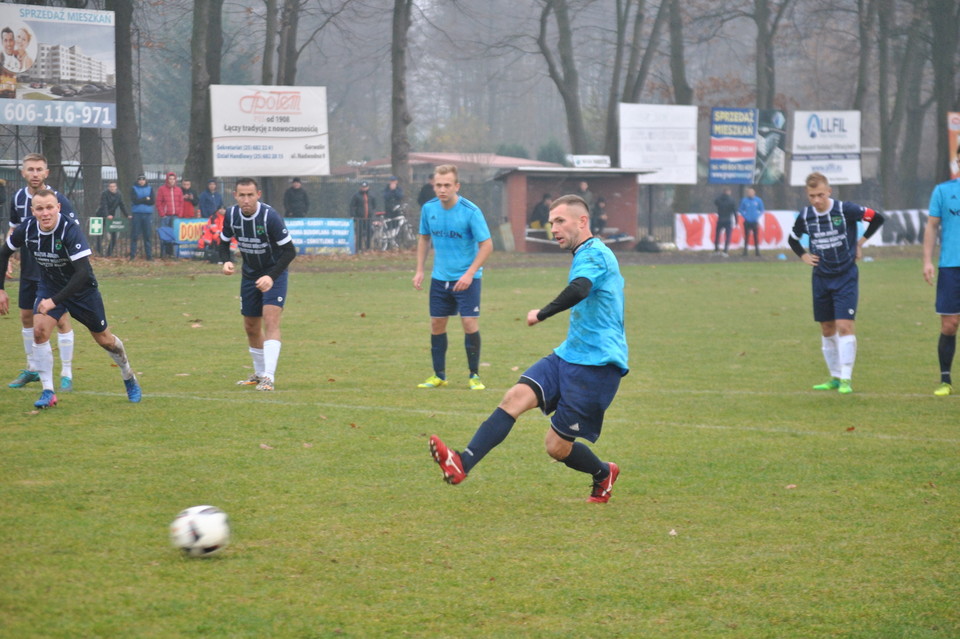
(834, 251)
(67, 284)
(579, 379)
(35, 171)
(944, 221)
(267, 250)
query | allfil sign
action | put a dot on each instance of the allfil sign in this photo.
(827, 142)
(817, 126)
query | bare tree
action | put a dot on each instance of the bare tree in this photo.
(945, 18)
(562, 68)
(205, 47)
(126, 137)
(400, 117)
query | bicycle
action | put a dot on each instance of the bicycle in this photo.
(394, 232)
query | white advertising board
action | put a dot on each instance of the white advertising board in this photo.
(661, 139)
(826, 142)
(269, 130)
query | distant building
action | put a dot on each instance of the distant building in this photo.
(59, 63)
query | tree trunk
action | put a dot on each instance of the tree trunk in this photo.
(564, 76)
(205, 49)
(944, 14)
(91, 163)
(400, 116)
(270, 42)
(126, 137)
(682, 92)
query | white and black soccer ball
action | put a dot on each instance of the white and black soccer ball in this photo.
(200, 531)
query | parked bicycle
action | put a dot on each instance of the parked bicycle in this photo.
(394, 231)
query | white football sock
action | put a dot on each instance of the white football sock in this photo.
(43, 360)
(119, 355)
(257, 355)
(831, 354)
(65, 346)
(848, 355)
(271, 353)
(28, 347)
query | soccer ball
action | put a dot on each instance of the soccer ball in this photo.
(200, 531)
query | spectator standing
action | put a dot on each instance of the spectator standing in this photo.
(392, 197)
(295, 200)
(944, 220)
(210, 200)
(583, 190)
(142, 199)
(363, 205)
(426, 192)
(461, 244)
(190, 200)
(751, 209)
(110, 203)
(726, 217)
(169, 206)
(35, 171)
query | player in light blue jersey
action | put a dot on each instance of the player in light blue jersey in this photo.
(578, 381)
(267, 250)
(461, 244)
(944, 220)
(834, 251)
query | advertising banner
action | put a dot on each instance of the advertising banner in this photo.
(269, 130)
(953, 134)
(695, 231)
(57, 67)
(771, 165)
(661, 139)
(827, 142)
(322, 236)
(733, 145)
(186, 233)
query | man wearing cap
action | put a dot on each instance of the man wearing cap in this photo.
(295, 200)
(142, 200)
(211, 200)
(169, 206)
(362, 207)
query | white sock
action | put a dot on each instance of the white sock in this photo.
(28, 347)
(43, 360)
(848, 355)
(257, 355)
(119, 355)
(271, 353)
(65, 345)
(831, 354)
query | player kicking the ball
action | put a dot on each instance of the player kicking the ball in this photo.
(267, 250)
(67, 284)
(578, 381)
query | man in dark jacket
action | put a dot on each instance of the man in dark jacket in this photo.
(110, 201)
(363, 205)
(295, 200)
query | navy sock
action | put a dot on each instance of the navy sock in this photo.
(471, 341)
(583, 459)
(488, 436)
(946, 349)
(438, 350)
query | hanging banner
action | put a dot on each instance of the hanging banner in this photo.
(826, 142)
(733, 145)
(661, 140)
(57, 67)
(269, 130)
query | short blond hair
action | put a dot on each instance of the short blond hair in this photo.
(448, 168)
(816, 179)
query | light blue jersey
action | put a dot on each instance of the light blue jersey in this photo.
(945, 204)
(596, 335)
(456, 234)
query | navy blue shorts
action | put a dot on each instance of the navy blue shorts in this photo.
(948, 290)
(444, 302)
(86, 308)
(252, 300)
(835, 298)
(28, 294)
(577, 395)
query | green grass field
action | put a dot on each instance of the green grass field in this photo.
(747, 506)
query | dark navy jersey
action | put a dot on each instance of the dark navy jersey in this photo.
(259, 238)
(833, 235)
(54, 251)
(19, 211)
